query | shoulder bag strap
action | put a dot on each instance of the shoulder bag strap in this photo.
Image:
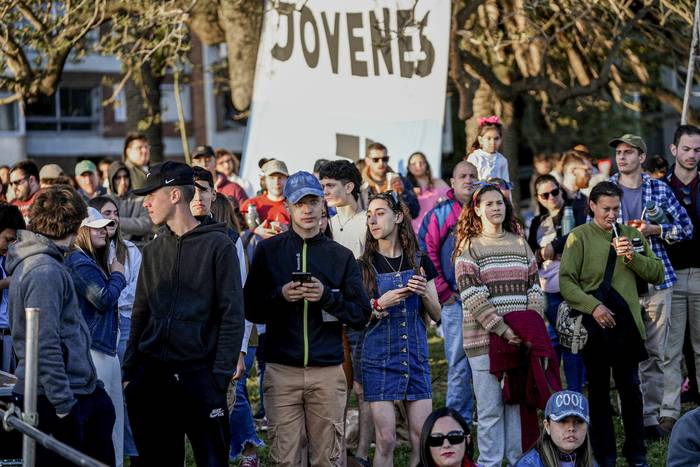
(609, 268)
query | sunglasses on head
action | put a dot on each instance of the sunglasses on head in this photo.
(384, 159)
(554, 193)
(390, 197)
(453, 437)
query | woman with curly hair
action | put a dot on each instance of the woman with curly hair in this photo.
(496, 274)
(394, 356)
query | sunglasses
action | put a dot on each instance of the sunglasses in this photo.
(376, 160)
(390, 197)
(17, 182)
(687, 200)
(554, 193)
(453, 437)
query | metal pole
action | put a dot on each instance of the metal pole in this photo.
(49, 442)
(691, 65)
(31, 366)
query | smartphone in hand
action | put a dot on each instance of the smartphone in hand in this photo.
(298, 276)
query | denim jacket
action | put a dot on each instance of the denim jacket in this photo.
(98, 296)
(530, 459)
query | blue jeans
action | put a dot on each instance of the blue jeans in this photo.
(129, 443)
(242, 424)
(460, 395)
(574, 368)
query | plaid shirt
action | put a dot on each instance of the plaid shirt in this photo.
(681, 227)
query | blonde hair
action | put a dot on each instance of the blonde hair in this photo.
(99, 255)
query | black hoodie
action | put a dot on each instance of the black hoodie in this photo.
(303, 333)
(188, 310)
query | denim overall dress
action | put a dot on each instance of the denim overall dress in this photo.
(395, 363)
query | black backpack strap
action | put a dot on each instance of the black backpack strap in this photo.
(609, 268)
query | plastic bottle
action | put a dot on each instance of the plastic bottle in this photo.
(567, 221)
(655, 215)
(252, 218)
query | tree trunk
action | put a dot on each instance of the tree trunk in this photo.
(241, 21)
(485, 104)
(142, 94)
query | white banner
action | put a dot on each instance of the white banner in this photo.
(335, 75)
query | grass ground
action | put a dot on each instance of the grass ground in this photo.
(656, 455)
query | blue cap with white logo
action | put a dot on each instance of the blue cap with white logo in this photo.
(563, 404)
(302, 184)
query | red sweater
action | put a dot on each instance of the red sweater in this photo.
(529, 372)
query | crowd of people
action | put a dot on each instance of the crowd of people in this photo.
(162, 285)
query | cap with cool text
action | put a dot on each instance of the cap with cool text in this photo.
(167, 173)
(564, 404)
(302, 184)
(632, 140)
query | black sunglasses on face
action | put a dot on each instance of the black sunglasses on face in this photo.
(554, 193)
(453, 437)
(376, 160)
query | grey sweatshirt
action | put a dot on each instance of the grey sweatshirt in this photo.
(39, 280)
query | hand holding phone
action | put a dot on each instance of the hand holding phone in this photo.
(301, 277)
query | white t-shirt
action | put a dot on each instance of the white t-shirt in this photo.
(351, 233)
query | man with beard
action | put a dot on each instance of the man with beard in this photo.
(685, 300)
(24, 181)
(639, 190)
(436, 238)
(378, 177)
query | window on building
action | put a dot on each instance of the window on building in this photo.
(9, 120)
(69, 109)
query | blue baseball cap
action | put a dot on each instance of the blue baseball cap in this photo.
(302, 184)
(563, 404)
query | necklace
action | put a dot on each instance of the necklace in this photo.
(397, 273)
(343, 224)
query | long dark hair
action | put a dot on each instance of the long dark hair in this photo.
(428, 171)
(549, 452)
(469, 224)
(222, 210)
(426, 459)
(407, 240)
(121, 249)
(541, 180)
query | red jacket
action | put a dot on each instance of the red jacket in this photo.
(529, 373)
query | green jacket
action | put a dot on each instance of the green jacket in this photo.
(583, 266)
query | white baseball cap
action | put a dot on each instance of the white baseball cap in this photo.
(95, 220)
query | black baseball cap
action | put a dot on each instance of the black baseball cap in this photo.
(203, 150)
(167, 173)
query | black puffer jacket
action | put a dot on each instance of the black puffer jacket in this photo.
(304, 333)
(188, 310)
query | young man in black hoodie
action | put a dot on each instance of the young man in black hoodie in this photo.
(72, 404)
(186, 329)
(304, 287)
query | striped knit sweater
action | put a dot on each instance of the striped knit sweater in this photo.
(496, 275)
